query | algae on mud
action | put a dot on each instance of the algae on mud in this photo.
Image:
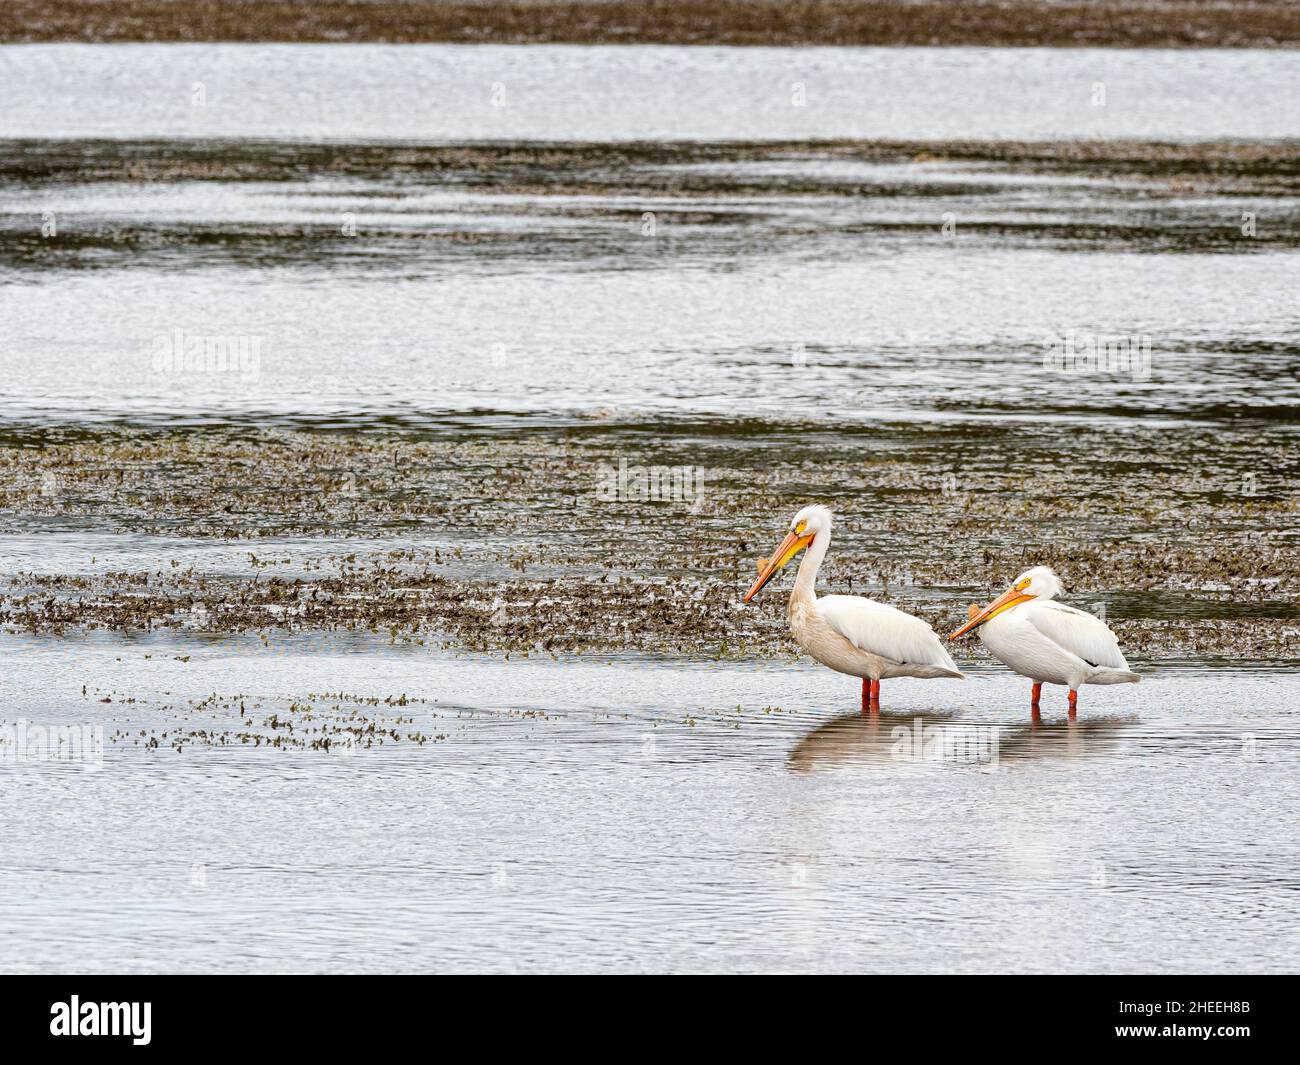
(1115, 23)
(505, 543)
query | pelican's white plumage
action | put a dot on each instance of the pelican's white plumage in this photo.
(898, 639)
(848, 633)
(1077, 633)
(1046, 641)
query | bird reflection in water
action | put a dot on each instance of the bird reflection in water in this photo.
(941, 737)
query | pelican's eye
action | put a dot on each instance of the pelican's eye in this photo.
(1022, 585)
(798, 529)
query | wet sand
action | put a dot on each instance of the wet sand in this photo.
(1060, 23)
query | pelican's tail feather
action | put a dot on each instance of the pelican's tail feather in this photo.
(930, 672)
(1113, 676)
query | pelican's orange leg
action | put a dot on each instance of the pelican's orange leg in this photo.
(875, 695)
(1074, 703)
(1033, 701)
(866, 695)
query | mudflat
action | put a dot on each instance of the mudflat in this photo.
(1035, 23)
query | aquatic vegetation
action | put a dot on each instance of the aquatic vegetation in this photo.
(1185, 561)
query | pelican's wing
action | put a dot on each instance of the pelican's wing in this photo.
(884, 630)
(1078, 632)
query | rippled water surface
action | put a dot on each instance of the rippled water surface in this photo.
(640, 816)
(475, 248)
(637, 815)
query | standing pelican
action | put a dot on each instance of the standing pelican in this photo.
(1048, 642)
(846, 632)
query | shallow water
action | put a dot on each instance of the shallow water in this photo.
(652, 815)
(796, 319)
(677, 343)
(645, 92)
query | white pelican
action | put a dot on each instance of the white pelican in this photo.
(846, 632)
(1048, 642)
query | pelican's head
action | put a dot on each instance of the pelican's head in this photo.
(1037, 583)
(805, 527)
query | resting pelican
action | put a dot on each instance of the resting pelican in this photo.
(1048, 642)
(846, 632)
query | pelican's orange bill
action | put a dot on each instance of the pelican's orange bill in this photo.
(1005, 601)
(790, 546)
